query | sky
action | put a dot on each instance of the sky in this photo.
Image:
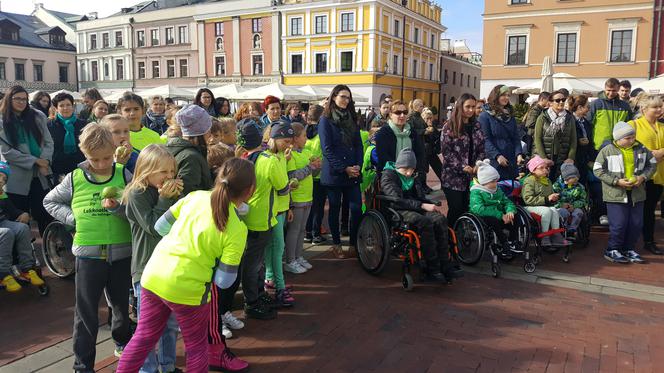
(463, 18)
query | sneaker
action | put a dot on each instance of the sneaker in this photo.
(634, 257)
(32, 277)
(557, 240)
(616, 257)
(232, 363)
(10, 284)
(259, 311)
(294, 267)
(513, 246)
(318, 240)
(285, 299)
(118, 351)
(269, 285)
(304, 263)
(232, 321)
(603, 220)
(266, 300)
(308, 237)
(226, 331)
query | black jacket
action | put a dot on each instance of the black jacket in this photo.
(390, 185)
(7, 210)
(65, 163)
(386, 148)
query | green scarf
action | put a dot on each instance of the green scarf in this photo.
(406, 182)
(543, 180)
(403, 137)
(24, 137)
(628, 159)
(69, 146)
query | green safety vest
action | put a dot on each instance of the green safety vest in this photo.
(94, 224)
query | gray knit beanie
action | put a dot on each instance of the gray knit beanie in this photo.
(193, 120)
(568, 170)
(486, 173)
(406, 159)
(622, 130)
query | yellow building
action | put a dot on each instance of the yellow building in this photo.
(359, 43)
(591, 39)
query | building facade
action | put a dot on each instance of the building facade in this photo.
(241, 44)
(66, 21)
(34, 55)
(461, 72)
(361, 43)
(657, 55)
(592, 40)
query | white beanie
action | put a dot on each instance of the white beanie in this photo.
(486, 173)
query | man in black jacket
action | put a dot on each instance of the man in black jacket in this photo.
(398, 179)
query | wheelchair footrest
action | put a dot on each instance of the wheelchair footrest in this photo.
(550, 232)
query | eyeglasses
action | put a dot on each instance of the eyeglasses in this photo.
(400, 112)
(559, 100)
(19, 99)
(344, 97)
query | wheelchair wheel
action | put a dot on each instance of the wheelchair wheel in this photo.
(57, 246)
(525, 226)
(373, 242)
(470, 239)
(407, 282)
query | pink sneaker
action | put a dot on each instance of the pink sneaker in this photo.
(221, 359)
(269, 285)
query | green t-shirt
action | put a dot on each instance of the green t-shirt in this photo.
(144, 137)
(282, 203)
(304, 192)
(270, 178)
(182, 265)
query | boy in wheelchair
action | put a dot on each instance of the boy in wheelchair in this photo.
(494, 208)
(398, 180)
(14, 237)
(573, 200)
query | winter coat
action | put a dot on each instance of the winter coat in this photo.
(531, 118)
(65, 163)
(584, 153)
(458, 152)
(7, 209)
(417, 123)
(485, 203)
(193, 168)
(155, 122)
(575, 195)
(390, 184)
(21, 162)
(534, 193)
(337, 156)
(386, 147)
(610, 167)
(501, 138)
(604, 114)
(559, 146)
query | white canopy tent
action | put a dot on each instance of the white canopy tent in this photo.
(574, 85)
(653, 86)
(168, 90)
(282, 92)
(321, 93)
(229, 91)
(77, 96)
(115, 96)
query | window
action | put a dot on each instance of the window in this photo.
(220, 66)
(38, 73)
(566, 51)
(347, 22)
(416, 35)
(56, 39)
(93, 41)
(170, 37)
(20, 71)
(475, 82)
(106, 70)
(321, 62)
(118, 38)
(397, 27)
(468, 81)
(141, 70)
(445, 77)
(257, 64)
(119, 69)
(184, 69)
(256, 25)
(414, 65)
(182, 34)
(433, 41)
(155, 69)
(296, 64)
(3, 71)
(140, 38)
(395, 64)
(454, 78)
(516, 52)
(218, 28)
(63, 72)
(346, 61)
(105, 41)
(430, 71)
(621, 46)
(321, 24)
(154, 37)
(513, 2)
(170, 68)
(9, 34)
(296, 26)
(461, 81)
(94, 67)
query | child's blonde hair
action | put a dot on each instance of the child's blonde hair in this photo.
(111, 119)
(95, 137)
(152, 159)
(228, 125)
(216, 156)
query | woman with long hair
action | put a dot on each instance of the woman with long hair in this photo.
(462, 145)
(42, 102)
(27, 146)
(502, 139)
(205, 99)
(342, 154)
(223, 107)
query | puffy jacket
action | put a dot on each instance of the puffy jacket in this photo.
(390, 184)
(575, 195)
(485, 203)
(534, 193)
(501, 138)
(604, 114)
(559, 146)
(531, 118)
(336, 156)
(193, 168)
(610, 167)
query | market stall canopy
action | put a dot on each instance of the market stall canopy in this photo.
(574, 85)
(168, 90)
(229, 91)
(321, 93)
(653, 86)
(77, 96)
(282, 92)
(115, 96)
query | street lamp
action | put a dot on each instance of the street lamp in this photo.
(404, 3)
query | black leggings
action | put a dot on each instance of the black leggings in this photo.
(432, 229)
(33, 204)
(497, 225)
(457, 204)
(653, 194)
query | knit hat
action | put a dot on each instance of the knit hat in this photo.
(270, 100)
(406, 159)
(622, 130)
(568, 171)
(193, 120)
(281, 129)
(249, 134)
(486, 173)
(537, 161)
(4, 168)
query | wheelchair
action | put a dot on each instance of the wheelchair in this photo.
(382, 234)
(57, 243)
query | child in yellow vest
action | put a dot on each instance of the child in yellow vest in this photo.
(124, 153)
(87, 199)
(130, 106)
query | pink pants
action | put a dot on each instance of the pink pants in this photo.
(193, 321)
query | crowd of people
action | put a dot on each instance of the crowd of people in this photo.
(183, 204)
